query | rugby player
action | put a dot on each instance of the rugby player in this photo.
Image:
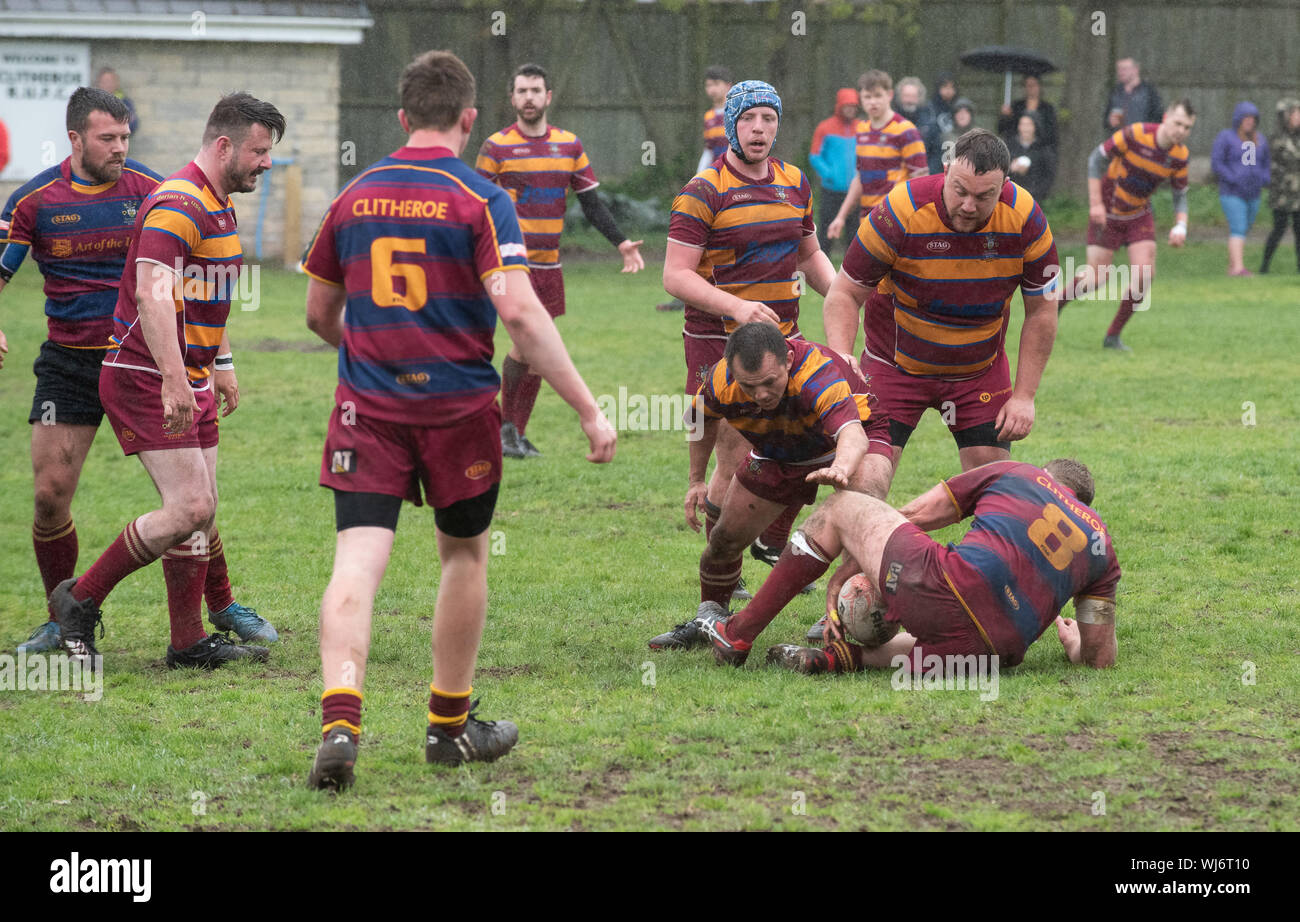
(169, 329)
(76, 219)
(1123, 173)
(717, 83)
(425, 254)
(890, 150)
(1034, 545)
(741, 245)
(810, 420)
(537, 163)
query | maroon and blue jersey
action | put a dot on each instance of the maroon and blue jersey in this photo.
(79, 233)
(1031, 548)
(822, 396)
(412, 240)
(189, 236)
(949, 292)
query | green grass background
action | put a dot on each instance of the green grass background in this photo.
(598, 559)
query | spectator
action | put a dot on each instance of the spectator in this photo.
(1284, 190)
(963, 118)
(834, 156)
(109, 82)
(1132, 100)
(1044, 112)
(1033, 162)
(912, 105)
(1240, 160)
(941, 109)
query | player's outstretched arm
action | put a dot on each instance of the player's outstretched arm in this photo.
(325, 310)
(683, 282)
(154, 293)
(594, 210)
(1037, 335)
(851, 447)
(532, 330)
(815, 265)
(842, 315)
(933, 509)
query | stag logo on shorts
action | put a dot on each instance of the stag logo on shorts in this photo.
(60, 248)
(343, 462)
(891, 578)
(478, 470)
(128, 434)
(938, 246)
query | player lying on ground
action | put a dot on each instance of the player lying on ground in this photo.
(740, 239)
(156, 385)
(415, 407)
(810, 420)
(1034, 545)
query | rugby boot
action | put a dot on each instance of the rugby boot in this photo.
(806, 660)
(44, 639)
(480, 741)
(214, 651)
(332, 770)
(77, 622)
(712, 621)
(245, 622)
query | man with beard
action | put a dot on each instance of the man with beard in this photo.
(169, 331)
(537, 164)
(76, 218)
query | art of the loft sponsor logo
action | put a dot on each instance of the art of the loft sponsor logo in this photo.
(103, 875)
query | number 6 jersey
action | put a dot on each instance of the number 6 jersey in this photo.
(413, 240)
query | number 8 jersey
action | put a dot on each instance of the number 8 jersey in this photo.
(413, 240)
(1031, 548)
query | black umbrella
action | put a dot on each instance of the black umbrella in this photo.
(1009, 60)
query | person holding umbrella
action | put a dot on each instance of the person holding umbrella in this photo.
(1033, 103)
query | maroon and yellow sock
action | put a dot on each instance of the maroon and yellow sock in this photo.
(718, 581)
(777, 534)
(843, 656)
(56, 554)
(340, 707)
(124, 556)
(449, 711)
(185, 572)
(511, 372)
(1121, 316)
(216, 585)
(787, 579)
(712, 513)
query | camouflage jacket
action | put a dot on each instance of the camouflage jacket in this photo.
(1284, 190)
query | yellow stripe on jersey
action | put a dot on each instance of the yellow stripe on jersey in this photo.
(202, 336)
(166, 218)
(755, 214)
(186, 187)
(763, 291)
(831, 396)
(914, 367)
(541, 164)
(947, 335)
(541, 225)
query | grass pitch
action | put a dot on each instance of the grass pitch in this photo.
(1193, 440)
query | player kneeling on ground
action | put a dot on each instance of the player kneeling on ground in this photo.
(1033, 546)
(416, 400)
(810, 420)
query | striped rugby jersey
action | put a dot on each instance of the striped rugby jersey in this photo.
(943, 309)
(1031, 548)
(748, 234)
(886, 157)
(187, 231)
(79, 234)
(1137, 166)
(538, 173)
(412, 239)
(715, 133)
(801, 429)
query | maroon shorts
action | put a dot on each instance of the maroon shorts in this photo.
(973, 402)
(777, 482)
(920, 595)
(452, 463)
(701, 355)
(1119, 233)
(549, 285)
(132, 401)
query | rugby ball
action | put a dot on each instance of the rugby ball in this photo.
(862, 613)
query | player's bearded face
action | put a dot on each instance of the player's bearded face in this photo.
(530, 99)
(249, 159)
(756, 131)
(970, 197)
(103, 147)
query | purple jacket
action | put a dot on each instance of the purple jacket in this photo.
(1236, 177)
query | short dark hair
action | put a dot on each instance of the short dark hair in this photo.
(1070, 473)
(235, 113)
(751, 341)
(983, 150)
(875, 80)
(529, 70)
(717, 72)
(87, 99)
(1185, 104)
(435, 89)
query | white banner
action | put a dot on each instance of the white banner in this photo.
(36, 79)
